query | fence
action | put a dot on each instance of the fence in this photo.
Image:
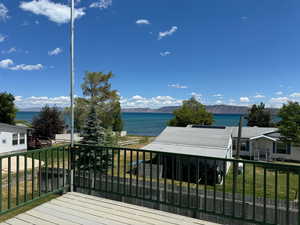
(29, 176)
(264, 193)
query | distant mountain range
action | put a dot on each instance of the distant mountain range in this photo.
(215, 109)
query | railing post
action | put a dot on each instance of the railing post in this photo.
(71, 169)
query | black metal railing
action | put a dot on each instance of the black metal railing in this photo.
(251, 191)
(29, 176)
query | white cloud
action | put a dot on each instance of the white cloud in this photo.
(34, 101)
(153, 102)
(177, 86)
(3, 12)
(218, 95)
(279, 93)
(166, 53)
(196, 95)
(8, 64)
(101, 4)
(170, 32)
(244, 17)
(279, 100)
(5, 63)
(244, 99)
(55, 51)
(295, 95)
(259, 96)
(11, 50)
(219, 102)
(142, 22)
(55, 12)
(2, 38)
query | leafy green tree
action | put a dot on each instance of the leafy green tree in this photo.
(289, 126)
(7, 108)
(48, 122)
(191, 112)
(259, 116)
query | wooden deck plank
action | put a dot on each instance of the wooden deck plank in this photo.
(32, 219)
(93, 206)
(96, 213)
(121, 210)
(15, 221)
(189, 220)
(50, 218)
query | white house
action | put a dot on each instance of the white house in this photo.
(12, 138)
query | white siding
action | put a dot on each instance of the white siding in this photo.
(6, 143)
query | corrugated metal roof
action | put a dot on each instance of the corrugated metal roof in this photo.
(250, 132)
(11, 128)
(193, 141)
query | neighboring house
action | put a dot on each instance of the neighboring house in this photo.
(12, 138)
(263, 143)
(206, 142)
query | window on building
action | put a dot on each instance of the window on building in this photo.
(282, 148)
(245, 146)
(15, 139)
(22, 138)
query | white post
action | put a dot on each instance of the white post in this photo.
(72, 82)
(72, 70)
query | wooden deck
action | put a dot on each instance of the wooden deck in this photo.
(76, 208)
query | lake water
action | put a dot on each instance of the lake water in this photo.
(149, 124)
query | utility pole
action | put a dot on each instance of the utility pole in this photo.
(72, 69)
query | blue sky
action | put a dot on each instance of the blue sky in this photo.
(161, 51)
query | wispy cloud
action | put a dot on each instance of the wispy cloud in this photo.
(40, 101)
(170, 32)
(55, 12)
(295, 95)
(9, 51)
(244, 17)
(2, 38)
(142, 22)
(279, 93)
(101, 4)
(218, 102)
(218, 95)
(166, 53)
(55, 51)
(259, 96)
(3, 12)
(152, 102)
(279, 100)
(244, 99)
(9, 64)
(177, 86)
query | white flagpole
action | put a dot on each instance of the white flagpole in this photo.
(72, 69)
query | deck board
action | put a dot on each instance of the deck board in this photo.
(75, 208)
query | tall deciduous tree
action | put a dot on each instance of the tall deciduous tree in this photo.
(289, 126)
(7, 108)
(259, 116)
(191, 112)
(48, 122)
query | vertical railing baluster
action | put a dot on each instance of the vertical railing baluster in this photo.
(137, 175)
(95, 157)
(215, 185)
(9, 183)
(32, 176)
(205, 185)
(151, 176)
(224, 186)
(63, 165)
(288, 197)
(265, 194)
(276, 194)
(197, 183)
(58, 169)
(180, 181)
(144, 174)
(165, 177)
(254, 184)
(298, 198)
(173, 178)
(234, 186)
(101, 168)
(124, 176)
(157, 179)
(189, 183)
(106, 169)
(52, 169)
(118, 186)
(25, 178)
(130, 179)
(1, 187)
(112, 170)
(46, 170)
(89, 170)
(244, 181)
(39, 173)
(17, 180)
